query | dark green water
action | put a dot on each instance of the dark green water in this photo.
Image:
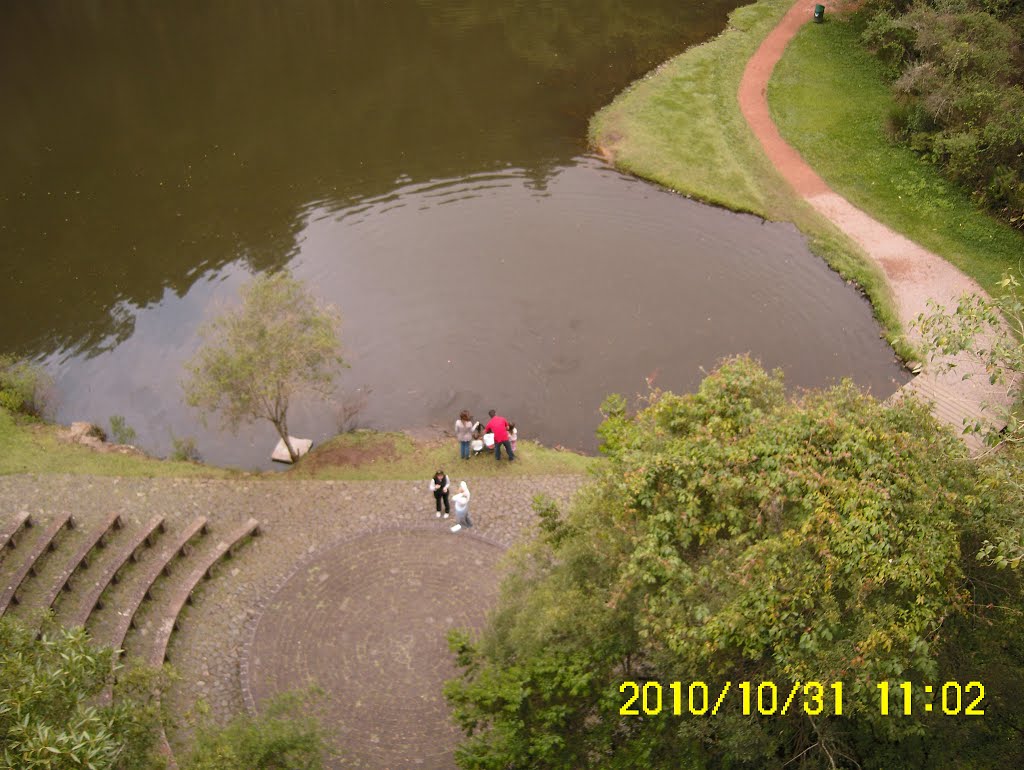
(423, 165)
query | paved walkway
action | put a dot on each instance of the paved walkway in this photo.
(368, 620)
(351, 583)
(914, 274)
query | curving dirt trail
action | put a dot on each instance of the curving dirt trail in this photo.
(914, 274)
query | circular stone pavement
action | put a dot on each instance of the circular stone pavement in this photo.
(366, 620)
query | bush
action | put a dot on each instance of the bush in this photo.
(734, 534)
(122, 432)
(956, 70)
(24, 387)
(283, 737)
(48, 720)
(185, 450)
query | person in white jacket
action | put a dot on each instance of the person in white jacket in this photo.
(461, 501)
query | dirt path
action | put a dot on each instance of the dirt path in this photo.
(914, 274)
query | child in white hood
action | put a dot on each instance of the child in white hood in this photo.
(461, 501)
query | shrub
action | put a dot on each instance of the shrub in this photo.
(24, 386)
(283, 737)
(122, 432)
(957, 74)
(48, 716)
(734, 534)
(185, 450)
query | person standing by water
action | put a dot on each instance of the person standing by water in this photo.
(439, 486)
(464, 433)
(498, 425)
(461, 500)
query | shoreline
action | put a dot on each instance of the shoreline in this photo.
(901, 276)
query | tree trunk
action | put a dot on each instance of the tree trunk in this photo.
(282, 431)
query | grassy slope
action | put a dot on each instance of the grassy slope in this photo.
(681, 126)
(407, 459)
(27, 447)
(34, 448)
(844, 139)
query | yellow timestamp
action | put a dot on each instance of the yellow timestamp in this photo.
(699, 699)
(765, 698)
(951, 698)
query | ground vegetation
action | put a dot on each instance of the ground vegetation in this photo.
(957, 70)
(50, 718)
(24, 387)
(285, 736)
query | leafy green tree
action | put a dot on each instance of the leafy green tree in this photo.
(49, 718)
(735, 535)
(256, 358)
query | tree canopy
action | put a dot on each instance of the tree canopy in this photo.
(49, 718)
(278, 344)
(736, 535)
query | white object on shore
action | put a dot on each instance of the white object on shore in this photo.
(456, 528)
(300, 445)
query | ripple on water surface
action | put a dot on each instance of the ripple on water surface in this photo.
(536, 296)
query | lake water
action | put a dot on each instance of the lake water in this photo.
(423, 166)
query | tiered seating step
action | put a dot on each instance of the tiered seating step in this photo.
(182, 590)
(28, 566)
(182, 593)
(80, 558)
(127, 552)
(159, 566)
(9, 532)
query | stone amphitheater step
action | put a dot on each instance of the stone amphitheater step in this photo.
(77, 610)
(175, 598)
(80, 558)
(9, 531)
(29, 560)
(125, 612)
(181, 591)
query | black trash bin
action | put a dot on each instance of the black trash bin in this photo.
(819, 13)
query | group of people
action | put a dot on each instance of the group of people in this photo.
(474, 438)
(439, 486)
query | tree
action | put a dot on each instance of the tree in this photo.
(48, 717)
(733, 535)
(280, 343)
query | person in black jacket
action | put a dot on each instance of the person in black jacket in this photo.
(439, 486)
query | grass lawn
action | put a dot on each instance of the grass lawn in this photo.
(830, 99)
(29, 447)
(681, 126)
(368, 455)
